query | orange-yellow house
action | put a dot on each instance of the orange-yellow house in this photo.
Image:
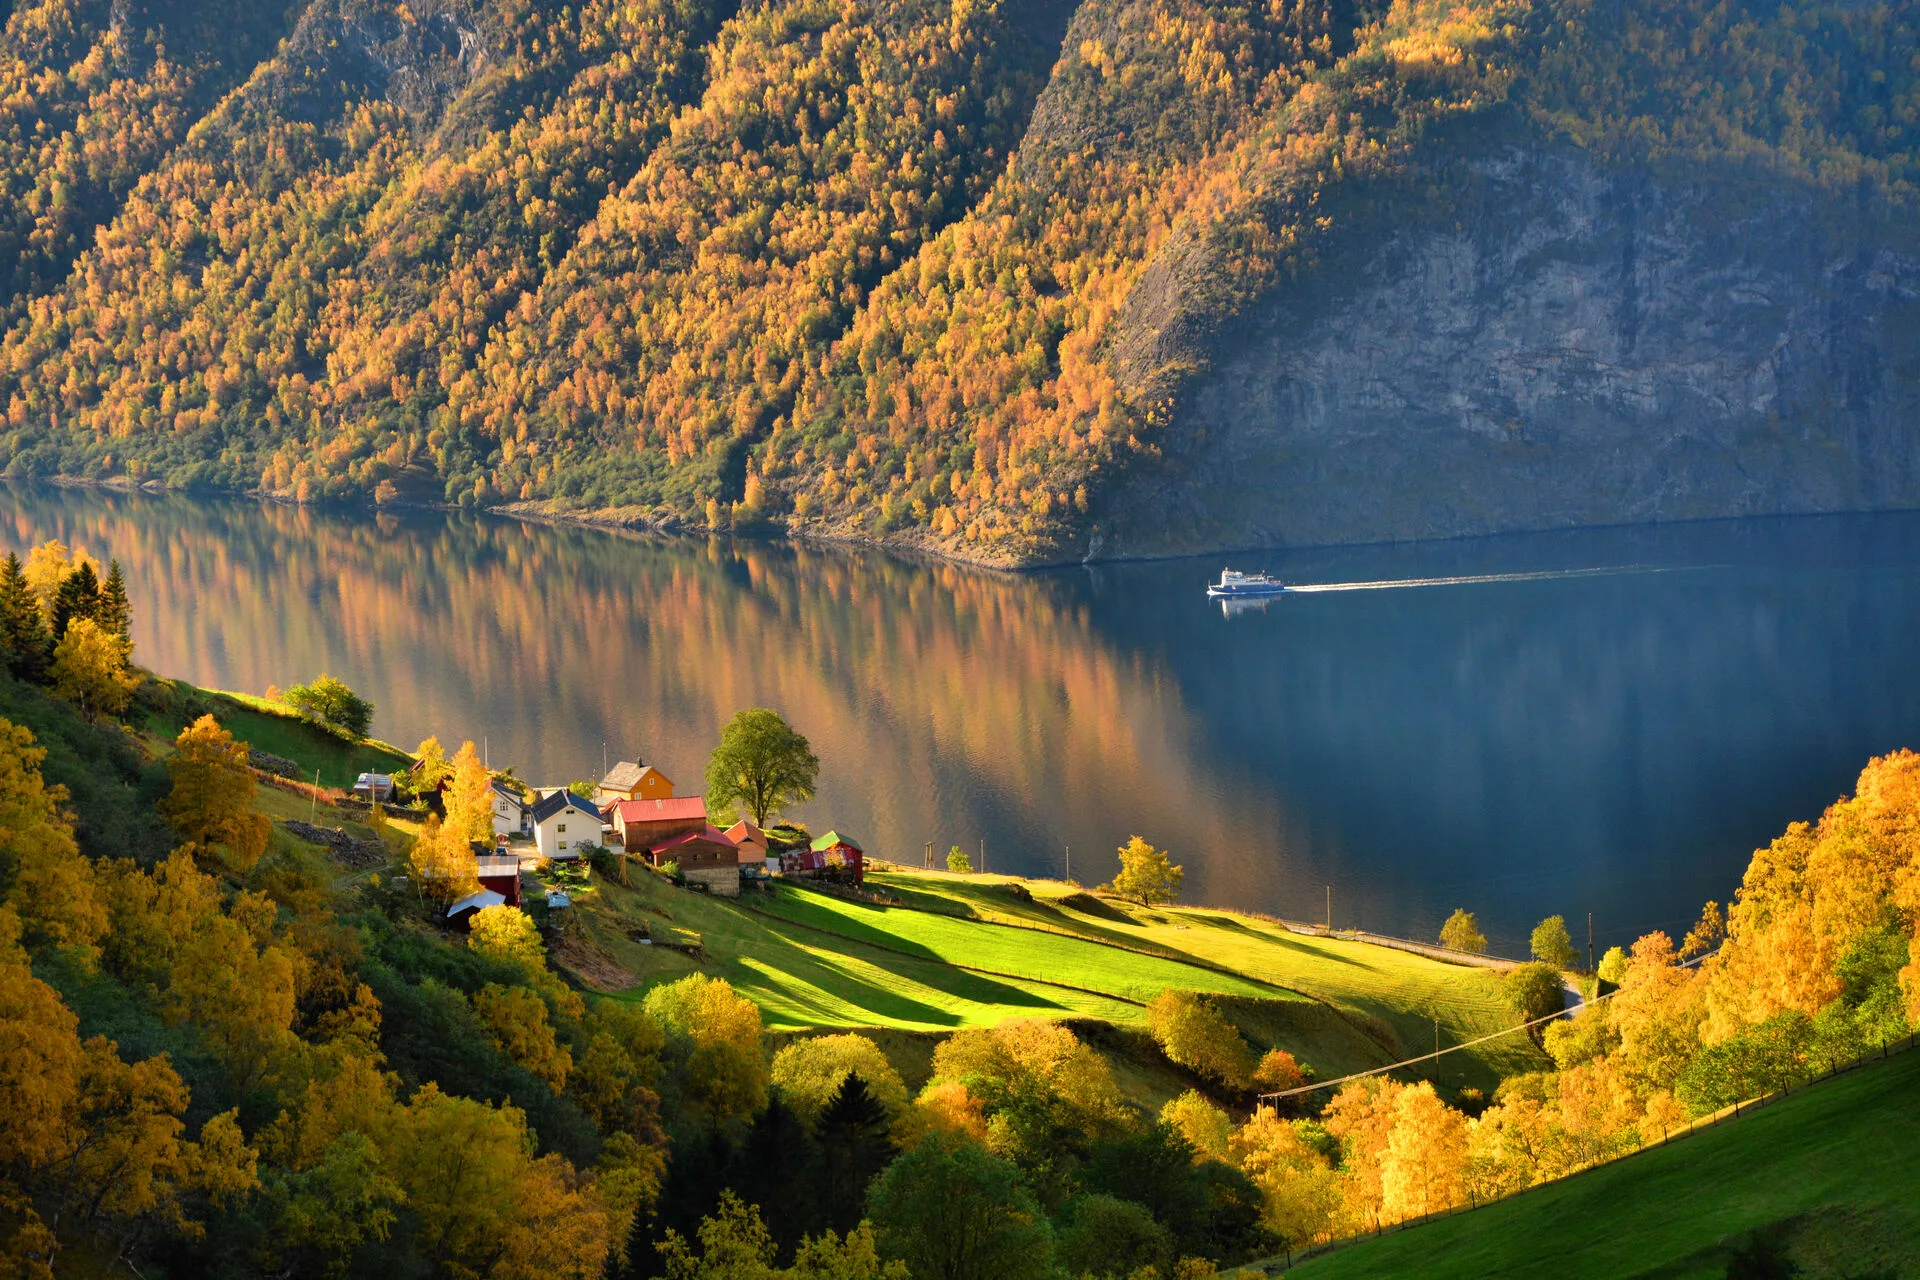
(629, 780)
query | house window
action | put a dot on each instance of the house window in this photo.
(563, 828)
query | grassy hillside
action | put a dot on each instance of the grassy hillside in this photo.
(966, 952)
(1831, 1176)
(170, 705)
(919, 270)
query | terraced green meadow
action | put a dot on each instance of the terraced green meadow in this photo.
(967, 951)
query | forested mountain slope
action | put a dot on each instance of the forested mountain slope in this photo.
(1013, 281)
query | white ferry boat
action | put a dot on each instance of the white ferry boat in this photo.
(1234, 583)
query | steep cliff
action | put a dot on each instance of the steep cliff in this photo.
(1558, 342)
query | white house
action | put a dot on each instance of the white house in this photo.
(509, 810)
(562, 823)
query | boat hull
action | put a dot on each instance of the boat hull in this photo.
(1233, 593)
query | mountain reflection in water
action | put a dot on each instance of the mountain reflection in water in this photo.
(1605, 721)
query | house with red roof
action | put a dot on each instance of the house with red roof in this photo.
(641, 824)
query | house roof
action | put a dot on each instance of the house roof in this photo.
(494, 864)
(375, 780)
(548, 805)
(744, 832)
(712, 834)
(501, 788)
(678, 809)
(627, 775)
(831, 839)
(475, 901)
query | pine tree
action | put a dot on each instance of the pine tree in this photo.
(116, 611)
(25, 645)
(78, 597)
(855, 1145)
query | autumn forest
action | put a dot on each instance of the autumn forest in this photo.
(927, 271)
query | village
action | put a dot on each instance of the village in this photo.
(633, 814)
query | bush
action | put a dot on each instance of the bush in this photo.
(1192, 1034)
(1109, 1237)
(1534, 991)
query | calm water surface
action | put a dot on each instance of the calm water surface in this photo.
(1554, 739)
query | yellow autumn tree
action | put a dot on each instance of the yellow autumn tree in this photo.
(468, 804)
(100, 1138)
(54, 891)
(484, 1204)
(90, 670)
(516, 1018)
(47, 567)
(1361, 1115)
(443, 860)
(211, 803)
(726, 1067)
(1424, 1167)
(808, 1073)
(1657, 1013)
(1301, 1192)
(216, 965)
(1205, 1126)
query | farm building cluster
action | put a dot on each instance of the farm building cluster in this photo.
(633, 812)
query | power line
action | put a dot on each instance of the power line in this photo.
(1441, 1053)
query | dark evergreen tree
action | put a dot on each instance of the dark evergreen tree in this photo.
(78, 597)
(24, 642)
(774, 1168)
(116, 611)
(856, 1144)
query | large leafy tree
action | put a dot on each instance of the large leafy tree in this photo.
(954, 1211)
(1147, 875)
(333, 704)
(761, 764)
(90, 670)
(1552, 944)
(212, 798)
(1462, 933)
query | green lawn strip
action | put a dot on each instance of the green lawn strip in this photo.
(1836, 1168)
(1022, 953)
(273, 729)
(1403, 992)
(1394, 995)
(802, 979)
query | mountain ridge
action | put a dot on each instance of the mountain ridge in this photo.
(961, 276)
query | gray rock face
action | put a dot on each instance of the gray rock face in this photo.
(1569, 345)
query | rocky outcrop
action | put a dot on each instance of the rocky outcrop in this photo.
(1563, 344)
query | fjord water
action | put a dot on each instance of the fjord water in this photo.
(1605, 721)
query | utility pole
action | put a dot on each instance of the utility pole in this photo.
(1591, 967)
(929, 855)
(1329, 908)
(1069, 864)
(983, 855)
(313, 810)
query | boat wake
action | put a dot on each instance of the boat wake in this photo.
(1545, 575)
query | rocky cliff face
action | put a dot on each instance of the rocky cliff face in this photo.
(1565, 345)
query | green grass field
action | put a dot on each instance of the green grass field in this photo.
(966, 951)
(1831, 1174)
(276, 730)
